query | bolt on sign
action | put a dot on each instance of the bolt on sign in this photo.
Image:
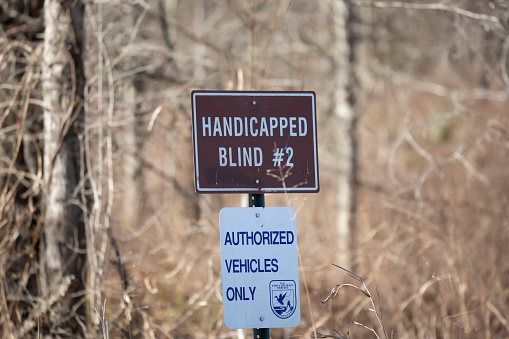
(255, 142)
(259, 267)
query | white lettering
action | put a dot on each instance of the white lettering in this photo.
(222, 157)
(217, 127)
(263, 128)
(273, 124)
(293, 126)
(238, 126)
(232, 164)
(251, 128)
(289, 151)
(206, 126)
(247, 156)
(258, 156)
(303, 127)
(227, 126)
(283, 123)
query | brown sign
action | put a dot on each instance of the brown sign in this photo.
(255, 142)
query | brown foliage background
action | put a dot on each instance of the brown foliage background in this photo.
(429, 89)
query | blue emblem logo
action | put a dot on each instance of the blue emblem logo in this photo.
(283, 298)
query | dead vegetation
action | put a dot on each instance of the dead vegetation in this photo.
(429, 225)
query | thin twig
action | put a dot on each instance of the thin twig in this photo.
(432, 6)
(365, 291)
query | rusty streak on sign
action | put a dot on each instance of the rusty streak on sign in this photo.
(255, 142)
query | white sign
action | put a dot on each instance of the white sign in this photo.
(259, 267)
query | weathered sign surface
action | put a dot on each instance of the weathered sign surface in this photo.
(259, 267)
(255, 142)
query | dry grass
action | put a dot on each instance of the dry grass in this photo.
(430, 230)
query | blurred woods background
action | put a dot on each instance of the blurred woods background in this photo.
(99, 220)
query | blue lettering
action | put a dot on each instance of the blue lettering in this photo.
(228, 267)
(267, 265)
(227, 239)
(235, 242)
(251, 265)
(290, 236)
(259, 240)
(275, 240)
(244, 263)
(266, 238)
(282, 236)
(275, 267)
(248, 237)
(252, 290)
(228, 290)
(254, 270)
(238, 294)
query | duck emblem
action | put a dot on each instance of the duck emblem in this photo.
(283, 298)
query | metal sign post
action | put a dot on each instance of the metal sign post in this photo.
(258, 200)
(257, 142)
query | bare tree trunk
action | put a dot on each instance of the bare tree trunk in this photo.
(131, 137)
(344, 117)
(205, 201)
(61, 254)
(169, 8)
